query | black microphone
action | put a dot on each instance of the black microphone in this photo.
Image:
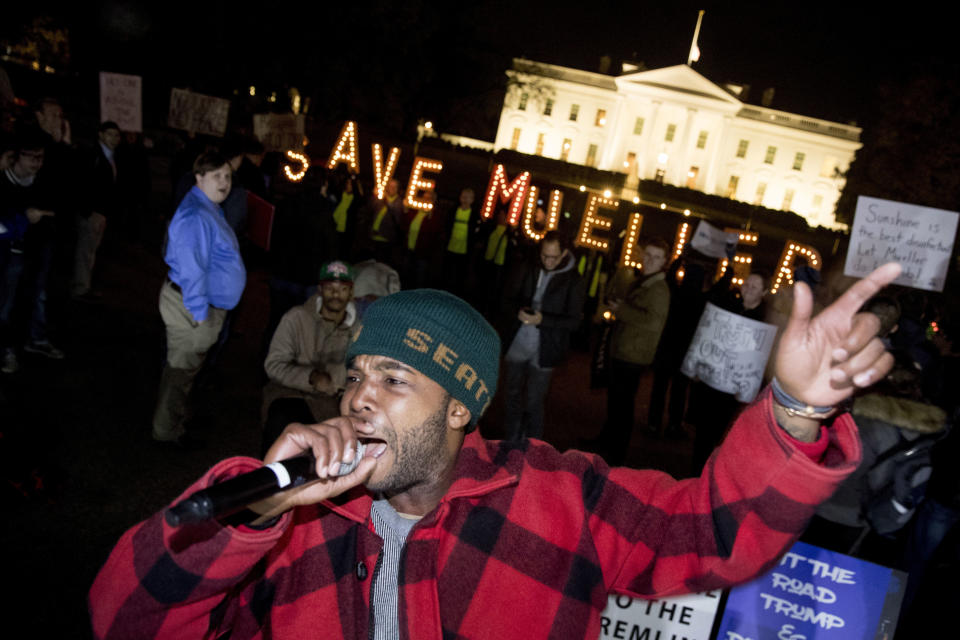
(230, 496)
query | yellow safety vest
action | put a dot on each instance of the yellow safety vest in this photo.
(460, 231)
(340, 213)
(415, 230)
(497, 245)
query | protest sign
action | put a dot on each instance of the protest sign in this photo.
(711, 241)
(729, 352)
(815, 594)
(919, 238)
(259, 220)
(279, 131)
(198, 113)
(689, 617)
(121, 100)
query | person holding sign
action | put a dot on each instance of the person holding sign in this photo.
(436, 529)
(711, 410)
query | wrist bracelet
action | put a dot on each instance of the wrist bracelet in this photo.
(797, 409)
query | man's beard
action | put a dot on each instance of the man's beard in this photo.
(424, 449)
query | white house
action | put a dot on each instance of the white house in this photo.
(674, 125)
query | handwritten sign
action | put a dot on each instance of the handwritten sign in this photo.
(121, 100)
(919, 238)
(689, 617)
(198, 113)
(729, 352)
(259, 220)
(711, 241)
(279, 131)
(815, 594)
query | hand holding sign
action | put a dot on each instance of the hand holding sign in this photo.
(822, 359)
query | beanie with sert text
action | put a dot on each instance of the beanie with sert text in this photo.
(439, 335)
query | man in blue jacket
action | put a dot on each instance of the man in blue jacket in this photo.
(205, 280)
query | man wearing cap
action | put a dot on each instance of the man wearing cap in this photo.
(306, 363)
(439, 533)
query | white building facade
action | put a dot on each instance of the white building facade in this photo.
(675, 126)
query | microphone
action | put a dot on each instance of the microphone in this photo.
(233, 495)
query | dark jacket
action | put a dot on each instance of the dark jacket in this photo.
(562, 307)
(101, 184)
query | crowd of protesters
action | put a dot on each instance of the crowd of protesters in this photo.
(337, 245)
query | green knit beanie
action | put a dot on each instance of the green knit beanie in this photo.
(439, 335)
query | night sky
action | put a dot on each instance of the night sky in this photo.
(446, 60)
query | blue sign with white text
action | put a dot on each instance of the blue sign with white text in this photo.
(815, 593)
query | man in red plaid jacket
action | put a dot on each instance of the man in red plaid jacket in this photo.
(439, 533)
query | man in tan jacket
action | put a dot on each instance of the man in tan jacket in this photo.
(306, 361)
(641, 316)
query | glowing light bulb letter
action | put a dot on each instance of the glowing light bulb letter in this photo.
(345, 150)
(627, 256)
(514, 193)
(529, 214)
(593, 220)
(419, 185)
(741, 261)
(791, 251)
(683, 235)
(381, 174)
(296, 176)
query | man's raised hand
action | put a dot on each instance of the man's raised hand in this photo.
(821, 360)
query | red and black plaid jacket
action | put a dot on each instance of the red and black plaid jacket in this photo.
(527, 543)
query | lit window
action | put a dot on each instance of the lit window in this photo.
(761, 191)
(702, 140)
(742, 149)
(601, 118)
(692, 177)
(798, 161)
(574, 112)
(787, 200)
(539, 149)
(771, 154)
(660, 175)
(548, 109)
(671, 132)
(515, 140)
(591, 156)
(565, 149)
(732, 186)
(523, 101)
(638, 127)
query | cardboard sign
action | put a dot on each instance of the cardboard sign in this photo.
(815, 594)
(259, 220)
(198, 113)
(121, 100)
(919, 238)
(689, 617)
(279, 131)
(711, 241)
(729, 352)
